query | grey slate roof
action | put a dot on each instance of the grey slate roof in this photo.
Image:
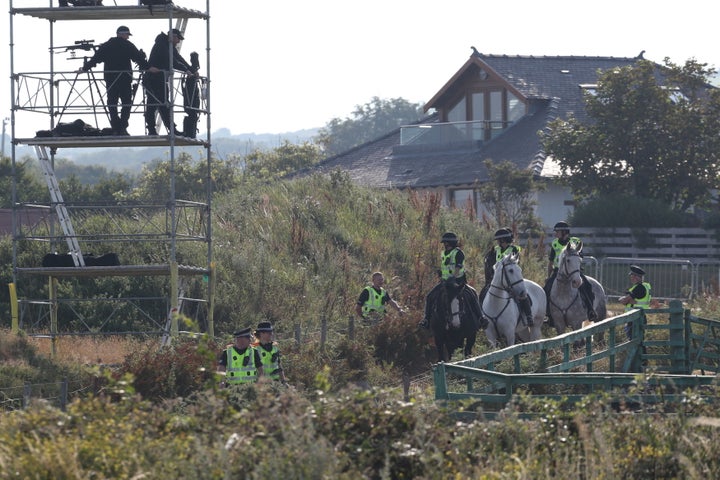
(554, 77)
(551, 85)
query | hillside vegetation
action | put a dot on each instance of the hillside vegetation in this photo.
(297, 253)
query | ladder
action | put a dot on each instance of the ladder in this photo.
(60, 210)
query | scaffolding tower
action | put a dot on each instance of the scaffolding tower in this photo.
(174, 224)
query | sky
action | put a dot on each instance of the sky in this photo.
(280, 66)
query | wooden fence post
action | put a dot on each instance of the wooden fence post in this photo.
(298, 334)
(351, 327)
(64, 394)
(26, 395)
(323, 332)
(678, 360)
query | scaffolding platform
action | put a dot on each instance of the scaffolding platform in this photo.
(108, 141)
(110, 12)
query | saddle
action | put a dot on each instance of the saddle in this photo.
(468, 303)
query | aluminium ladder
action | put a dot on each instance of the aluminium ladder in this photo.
(59, 203)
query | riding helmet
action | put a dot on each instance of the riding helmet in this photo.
(504, 233)
(449, 237)
(561, 226)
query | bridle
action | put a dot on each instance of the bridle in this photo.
(506, 287)
(563, 274)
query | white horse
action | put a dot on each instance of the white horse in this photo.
(501, 309)
(565, 305)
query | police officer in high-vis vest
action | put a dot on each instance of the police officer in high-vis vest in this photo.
(452, 274)
(562, 238)
(241, 362)
(269, 352)
(637, 296)
(373, 298)
(505, 246)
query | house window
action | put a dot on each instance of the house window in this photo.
(463, 199)
(458, 112)
(515, 108)
(490, 111)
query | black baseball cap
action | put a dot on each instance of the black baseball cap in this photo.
(123, 29)
(179, 34)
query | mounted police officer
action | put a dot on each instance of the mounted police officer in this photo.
(562, 238)
(452, 278)
(505, 246)
(637, 296)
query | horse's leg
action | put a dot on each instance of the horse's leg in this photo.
(470, 343)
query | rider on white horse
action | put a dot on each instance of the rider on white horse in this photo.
(504, 237)
(562, 238)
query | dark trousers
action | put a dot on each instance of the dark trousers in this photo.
(156, 90)
(119, 89)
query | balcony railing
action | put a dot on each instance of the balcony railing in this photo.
(451, 132)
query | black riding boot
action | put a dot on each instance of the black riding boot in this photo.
(548, 289)
(526, 309)
(588, 298)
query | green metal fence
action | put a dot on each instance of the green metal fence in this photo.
(662, 357)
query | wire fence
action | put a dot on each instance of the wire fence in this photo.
(55, 393)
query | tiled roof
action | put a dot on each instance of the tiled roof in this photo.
(554, 77)
(552, 87)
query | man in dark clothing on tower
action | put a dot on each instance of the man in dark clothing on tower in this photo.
(116, 54)
(156, 84)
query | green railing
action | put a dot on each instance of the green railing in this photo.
(656, 363)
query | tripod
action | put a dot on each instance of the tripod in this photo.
(80, 92)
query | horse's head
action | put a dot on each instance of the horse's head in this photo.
(509, 277)
(569, 265)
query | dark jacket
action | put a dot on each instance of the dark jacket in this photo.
(116, 54)
(160, 56)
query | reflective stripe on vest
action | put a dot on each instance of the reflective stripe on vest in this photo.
(448, 264)
(374, 301)
(499, 254)
(270, 360)
(240, 367)
(643, 302)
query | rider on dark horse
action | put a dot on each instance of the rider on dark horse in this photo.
(452, 274)
(562, 238)
(504, 237)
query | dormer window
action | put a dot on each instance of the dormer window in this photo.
(487, 112)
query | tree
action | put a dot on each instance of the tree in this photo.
(655, 133)
(106, 191)
(280, 161)
(191, 179)
(29, 187)
(368, 122)
(507, 196)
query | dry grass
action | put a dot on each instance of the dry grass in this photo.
(90, 350)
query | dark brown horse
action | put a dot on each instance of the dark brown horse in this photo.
(454, 325)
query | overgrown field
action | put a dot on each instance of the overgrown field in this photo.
(161, 414)
(297, 254)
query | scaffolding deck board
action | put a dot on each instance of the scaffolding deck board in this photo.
(113, 271)
(110, 12)
(110, 141)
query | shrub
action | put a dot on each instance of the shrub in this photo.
(627, 211)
